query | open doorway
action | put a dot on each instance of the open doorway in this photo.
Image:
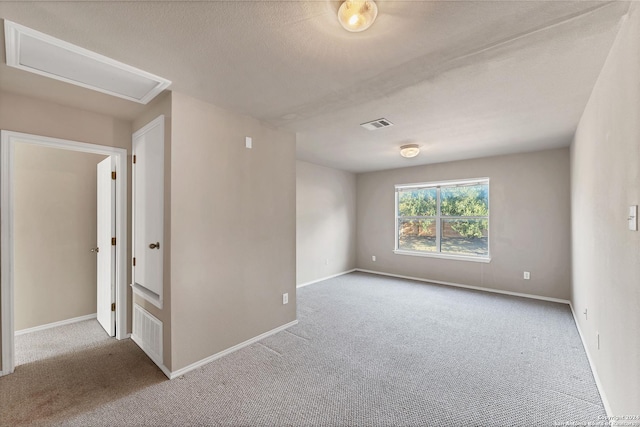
(65, 161)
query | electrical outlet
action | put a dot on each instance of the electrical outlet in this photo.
(527, 275)
(285, 298)
(373, 258)
(248, 142)
(326, 261)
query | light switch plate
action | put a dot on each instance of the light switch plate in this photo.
(248, 142)
(633, 218)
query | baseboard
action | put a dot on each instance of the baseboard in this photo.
(175, 374)
(56, 324)
(165, 371)
(603, 396)
(325, 278)
(476, 288)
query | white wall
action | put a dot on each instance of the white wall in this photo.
(232, 229)
(529, 225)
(605, 181)
(325, 222)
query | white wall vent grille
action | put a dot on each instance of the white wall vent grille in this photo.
(147, 333)
(377, 124)
(39, 53)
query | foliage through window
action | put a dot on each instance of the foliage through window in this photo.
(448, 218)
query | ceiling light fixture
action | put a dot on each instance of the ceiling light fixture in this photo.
(357, 15)
(409, 150)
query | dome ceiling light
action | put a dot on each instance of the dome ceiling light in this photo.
(357, 15)
(409, 150)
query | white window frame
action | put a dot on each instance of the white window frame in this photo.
(438, 218)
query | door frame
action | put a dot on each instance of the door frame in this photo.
(8, 141)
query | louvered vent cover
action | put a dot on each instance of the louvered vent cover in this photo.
(377, 124)
(147, 333)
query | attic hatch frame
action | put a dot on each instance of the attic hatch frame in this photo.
(8, 141)
(39, 53)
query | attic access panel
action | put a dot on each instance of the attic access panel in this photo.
(38, 53)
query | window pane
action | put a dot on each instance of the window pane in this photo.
(465, 236)
(417, 235)
(417, 202)
(466, 200)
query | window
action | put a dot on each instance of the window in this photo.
(444, 219)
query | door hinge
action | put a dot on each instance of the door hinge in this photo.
(134, 261)
(134, 158)
(113, 175)
(113, 306)
(113, 241)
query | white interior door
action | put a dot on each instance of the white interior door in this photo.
(148, 208)
(106, 251)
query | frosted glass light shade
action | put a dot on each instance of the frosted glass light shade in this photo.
(357, 15)
(410, 150)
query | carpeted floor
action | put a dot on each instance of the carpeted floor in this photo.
(369, 350)
(55, 342)
(70, 370)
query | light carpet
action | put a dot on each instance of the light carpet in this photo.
(368, 351)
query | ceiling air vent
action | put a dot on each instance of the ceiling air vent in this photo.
(38, 53)
(377, 124)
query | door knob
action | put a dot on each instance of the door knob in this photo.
(155, 245)
(95, 250)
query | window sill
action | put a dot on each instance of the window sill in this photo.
(444, 256)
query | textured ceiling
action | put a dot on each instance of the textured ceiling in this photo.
(463, 79)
